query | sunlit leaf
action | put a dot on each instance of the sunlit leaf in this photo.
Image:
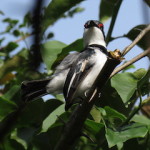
(140, 73)
(52, 118)
(141, 119)
(49, 52)
(75, 46)
(129, 83)
(125, 84)
(128, 68)
(95, 113)
(133, 131)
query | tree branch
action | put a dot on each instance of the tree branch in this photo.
(138, 38)
(20, 39)
(73, 128)
(133, 60)
(113, 20)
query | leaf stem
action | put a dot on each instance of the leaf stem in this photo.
(135, 111)
(137, 39)
(133, 60)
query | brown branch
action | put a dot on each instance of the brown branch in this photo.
(20, 39)
(133, 60)
(137, 39)
(73, 128)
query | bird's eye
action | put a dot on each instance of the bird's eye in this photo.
(100, 25)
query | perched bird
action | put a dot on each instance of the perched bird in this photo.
(77, 72)
(86, 68)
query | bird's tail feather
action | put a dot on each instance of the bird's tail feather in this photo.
(33, 89)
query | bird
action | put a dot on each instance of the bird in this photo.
(88, 65)
(77, 72)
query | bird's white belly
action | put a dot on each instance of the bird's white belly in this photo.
(57, 83)
(99, 58)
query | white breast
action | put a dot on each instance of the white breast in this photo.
(99, 58)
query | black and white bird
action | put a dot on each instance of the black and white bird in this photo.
(77, 72)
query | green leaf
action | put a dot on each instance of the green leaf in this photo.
(106, 9)
(148, 2)
(6, 107)
(11, 21)
(112, 113)
(75, 46)
(11, 46)
(74, 11)
(37, 111)
(141, 119)
(49, 52)
(50, 35)
(2, 54)
(95, 113)
(93, 126)
(1, 40)
(11, 144)
(16, 33)
(140, 73)
(111, 99)
(11, 64)
(125, 84)
(9, 95)
(144, 84)
(56, 10)
(134, 32)
(135, 130)
(129, 67)
(47, 123)
(1, 13)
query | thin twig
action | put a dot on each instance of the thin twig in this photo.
(137, 39)
(20, 39)
(135, 111)
(133, 60)
(113, 20)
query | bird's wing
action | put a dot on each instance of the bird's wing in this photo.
(76, 75)
(67, 62)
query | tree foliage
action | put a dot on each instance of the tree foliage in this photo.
(113, 123)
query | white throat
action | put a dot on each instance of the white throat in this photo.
(93, 35)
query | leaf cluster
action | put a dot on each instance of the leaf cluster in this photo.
(114, 121)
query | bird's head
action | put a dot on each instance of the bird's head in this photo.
(93, 33)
